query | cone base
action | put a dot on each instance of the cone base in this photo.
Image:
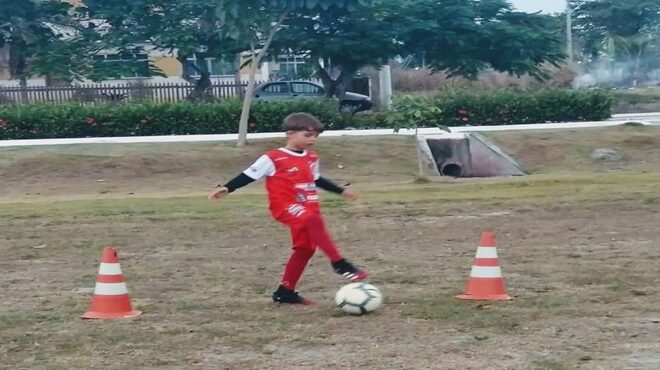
(493, 297)
(110, 315)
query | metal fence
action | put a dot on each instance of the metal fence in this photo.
(100, 92)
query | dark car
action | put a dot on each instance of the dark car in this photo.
(287, 90)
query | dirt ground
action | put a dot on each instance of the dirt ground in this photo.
(578, 244)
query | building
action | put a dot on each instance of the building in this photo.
(167, 65)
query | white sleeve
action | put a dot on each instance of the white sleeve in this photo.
(263, 167)
(316, 169)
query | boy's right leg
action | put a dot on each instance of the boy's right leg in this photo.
(302, 253)
(295, 266)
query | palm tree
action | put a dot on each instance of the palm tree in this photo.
(633, 53)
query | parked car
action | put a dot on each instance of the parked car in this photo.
(287, 90)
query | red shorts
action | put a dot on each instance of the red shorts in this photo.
(295, 217)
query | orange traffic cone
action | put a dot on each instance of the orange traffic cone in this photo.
(110, 300)
(485, 281)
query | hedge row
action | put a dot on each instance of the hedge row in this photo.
(187, 118)
(148, 118)
(506, 107)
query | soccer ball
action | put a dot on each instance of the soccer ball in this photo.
(358, 298)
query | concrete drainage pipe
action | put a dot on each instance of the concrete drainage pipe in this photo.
(453, 169)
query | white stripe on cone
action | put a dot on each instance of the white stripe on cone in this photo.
(486, 252)
(486, 272)
(110, 289)
(109, 269)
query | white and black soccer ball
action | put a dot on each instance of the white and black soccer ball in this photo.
(358, 298)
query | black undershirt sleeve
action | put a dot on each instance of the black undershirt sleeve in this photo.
(328, 185)
(238, 182)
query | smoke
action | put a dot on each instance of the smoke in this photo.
(644, 71)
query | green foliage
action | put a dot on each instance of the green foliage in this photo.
(345, 38)
(621, 34)
(207, 28)
(268, 117)
(615, 17)
(36, 30)
(505, 107)
(414, 111)
(464, 37)
(451, 108)
(148, 118)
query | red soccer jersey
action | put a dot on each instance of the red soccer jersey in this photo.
(290, 180)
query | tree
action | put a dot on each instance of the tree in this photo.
(340, 41)
(185, 28)
(623, 34)
(461, 37)
(47, 38)
(620, 18)
(205, 28)
(35, 31)
(464, 37)
(258, 22)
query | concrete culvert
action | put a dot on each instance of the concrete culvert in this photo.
(466, 155)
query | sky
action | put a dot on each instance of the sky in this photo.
(546, 6)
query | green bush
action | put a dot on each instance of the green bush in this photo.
(507, 107)
(414, 111)
(148, 118)
(449, 108)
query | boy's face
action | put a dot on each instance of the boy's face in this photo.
(301, 140)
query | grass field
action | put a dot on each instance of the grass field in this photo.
(578, 243)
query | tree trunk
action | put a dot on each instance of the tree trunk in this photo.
(329, 85)
(335, 87)
(256, 60)
(237, 77)
(202, 86)
(247, 102)
(22, 82)
(17, 65)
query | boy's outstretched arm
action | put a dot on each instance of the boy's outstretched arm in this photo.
(261, 168)
(235, 183)
(330, 186)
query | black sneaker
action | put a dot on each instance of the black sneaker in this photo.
(350, 272)
(288, 296)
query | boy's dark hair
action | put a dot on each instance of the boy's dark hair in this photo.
(302, 122)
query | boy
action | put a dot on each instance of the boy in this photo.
(292, 176)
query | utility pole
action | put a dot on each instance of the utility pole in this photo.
(385, 85)
(569, 29)
(569, 32)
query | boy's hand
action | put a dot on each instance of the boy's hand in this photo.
(350, 195)
(219, 193)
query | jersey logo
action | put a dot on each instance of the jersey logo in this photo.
(296, 210)
(292, 170)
